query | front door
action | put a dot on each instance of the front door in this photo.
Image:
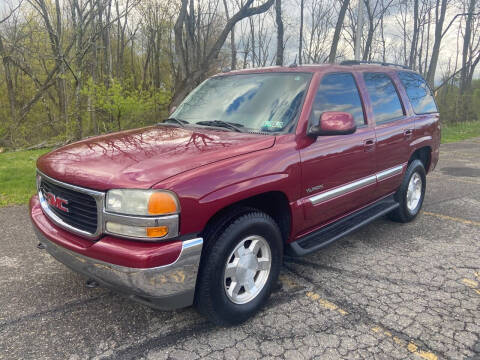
(338, 172)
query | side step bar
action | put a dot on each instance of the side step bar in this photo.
(328, 234)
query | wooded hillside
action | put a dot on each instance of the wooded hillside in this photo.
(76, 68)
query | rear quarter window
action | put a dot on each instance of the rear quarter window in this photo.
(418, 92)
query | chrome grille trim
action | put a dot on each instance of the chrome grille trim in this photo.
(172, 221)
(97, 195)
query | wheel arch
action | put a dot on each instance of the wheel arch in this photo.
(273, 203)
(424, 154)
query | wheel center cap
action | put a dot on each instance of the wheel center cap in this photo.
(247, 266)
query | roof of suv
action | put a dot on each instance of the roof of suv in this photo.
(317, 68)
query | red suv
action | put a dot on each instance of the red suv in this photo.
(254, 164)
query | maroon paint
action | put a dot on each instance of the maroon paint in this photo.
(139, 158)
(210, 169)
(133, 254)
(336, 121)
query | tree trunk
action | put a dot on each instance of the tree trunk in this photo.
(8, 80)
(439, 20)
(371, 29)
(278, 14)
(466, 45)
(413, 45)
(233, 48)
(300, 40)
(338, 29)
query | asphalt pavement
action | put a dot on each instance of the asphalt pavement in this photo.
(388, 291)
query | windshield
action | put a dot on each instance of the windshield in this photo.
(265, 102)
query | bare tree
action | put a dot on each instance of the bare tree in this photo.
(440, 11)
(194, 67)
(233, 48)
(6, 60)
(338, 28)
(467, 48)
(300, 41)
(279, 21)
(317, 31)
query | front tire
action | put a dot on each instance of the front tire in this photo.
(239, 269)
(411, 193)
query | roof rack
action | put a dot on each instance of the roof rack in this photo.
(360, 62)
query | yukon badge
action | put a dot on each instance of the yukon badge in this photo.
(314, 188)
(57, 201)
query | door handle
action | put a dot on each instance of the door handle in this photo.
(408, 132)
(369, 144)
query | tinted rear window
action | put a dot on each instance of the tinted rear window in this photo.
(386, 104)
(418, 92)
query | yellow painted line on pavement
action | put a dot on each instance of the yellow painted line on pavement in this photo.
(472, 284)
(446, 217)
(477, 275)
(325, 303)
(410, 346)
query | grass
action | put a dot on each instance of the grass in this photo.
(460, 131)
(17, 169)
(17, 176)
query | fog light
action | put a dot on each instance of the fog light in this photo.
(126, 230)
(137, 231)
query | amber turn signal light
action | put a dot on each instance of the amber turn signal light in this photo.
(161, 203)
(158, 231)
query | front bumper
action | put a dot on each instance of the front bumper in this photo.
(164, 287)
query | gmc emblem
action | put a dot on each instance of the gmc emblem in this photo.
(57, 201)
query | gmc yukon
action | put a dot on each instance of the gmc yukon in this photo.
(253, 165)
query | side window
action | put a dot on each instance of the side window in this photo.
(418, 92)
(386, 104)
(339, 92)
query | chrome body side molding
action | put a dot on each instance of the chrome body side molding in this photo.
(355, 185)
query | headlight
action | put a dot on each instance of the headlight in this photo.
(142, 214)
(141, 202)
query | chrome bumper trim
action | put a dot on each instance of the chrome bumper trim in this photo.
(165, 287)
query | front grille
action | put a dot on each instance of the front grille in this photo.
(82, 207)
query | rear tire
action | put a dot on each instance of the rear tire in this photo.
(239, 268)
(411, 193)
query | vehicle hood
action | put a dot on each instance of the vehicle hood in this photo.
(143, 157)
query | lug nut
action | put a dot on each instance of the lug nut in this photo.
(91, 284)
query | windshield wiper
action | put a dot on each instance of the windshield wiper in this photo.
(175, 120)
(221, 123)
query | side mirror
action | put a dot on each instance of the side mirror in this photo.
(333, 123)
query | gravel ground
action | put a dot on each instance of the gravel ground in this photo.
(388, 291)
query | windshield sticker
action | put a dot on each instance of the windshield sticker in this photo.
(273, 124)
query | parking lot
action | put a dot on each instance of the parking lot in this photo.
(388, 291)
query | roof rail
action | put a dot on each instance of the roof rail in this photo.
(360, 62)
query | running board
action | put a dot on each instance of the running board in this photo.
(328, 234)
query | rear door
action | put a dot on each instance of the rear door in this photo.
(393, 129)
(338, 171)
